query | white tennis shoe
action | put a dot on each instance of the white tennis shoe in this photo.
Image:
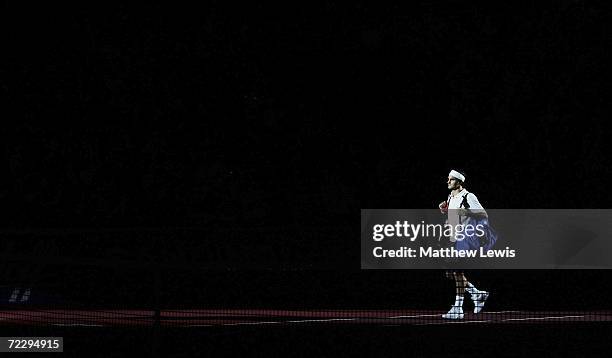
(479, 300)
(456, 312)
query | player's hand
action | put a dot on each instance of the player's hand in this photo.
(443, 206)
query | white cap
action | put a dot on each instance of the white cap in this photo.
(456, 174)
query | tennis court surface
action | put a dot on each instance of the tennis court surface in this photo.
(267, 317)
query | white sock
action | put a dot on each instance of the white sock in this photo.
(458, 301)
(471, 288)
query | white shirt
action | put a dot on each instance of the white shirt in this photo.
(455, 201)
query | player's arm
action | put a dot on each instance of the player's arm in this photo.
(443, 206)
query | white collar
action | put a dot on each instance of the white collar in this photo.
(464, 191)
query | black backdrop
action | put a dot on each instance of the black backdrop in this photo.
(279, 119)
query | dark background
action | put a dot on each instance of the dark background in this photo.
(264, 129)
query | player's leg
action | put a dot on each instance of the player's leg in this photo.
(478, 297)
(460, 283)
(456, 311)
(470, 288)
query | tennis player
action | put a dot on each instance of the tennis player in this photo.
(460, 207)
